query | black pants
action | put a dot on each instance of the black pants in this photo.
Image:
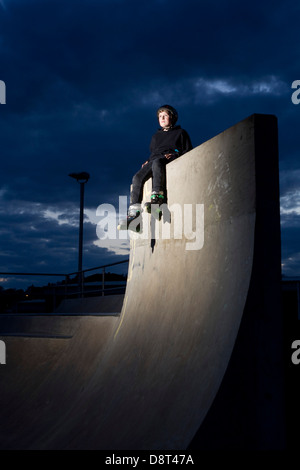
(155, 168)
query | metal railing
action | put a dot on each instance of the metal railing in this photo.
(69, 288)
(81, 291)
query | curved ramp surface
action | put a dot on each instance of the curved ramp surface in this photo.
(147, 379)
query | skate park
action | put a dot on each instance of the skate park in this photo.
(194, 360)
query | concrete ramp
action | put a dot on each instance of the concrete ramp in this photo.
(109, 304)
(148, 378)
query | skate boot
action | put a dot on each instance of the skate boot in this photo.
(133, 213)
(153, 207)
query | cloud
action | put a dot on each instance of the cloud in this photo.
(62, 218)
(83, 82)
(290, 235)
(116, 247)
(258, 86)
(290, 230)
(290, 203)
(35, 237)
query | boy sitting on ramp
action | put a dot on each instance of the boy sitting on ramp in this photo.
(167, 144)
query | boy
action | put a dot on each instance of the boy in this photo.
(167, 144)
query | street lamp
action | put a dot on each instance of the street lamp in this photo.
(81, 178)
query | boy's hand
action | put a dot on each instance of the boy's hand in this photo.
(144, 163)
(169, 155)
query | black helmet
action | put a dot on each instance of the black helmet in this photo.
(170, 110)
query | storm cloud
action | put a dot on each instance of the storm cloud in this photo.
(83, 81)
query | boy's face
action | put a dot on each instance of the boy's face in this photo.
(164, 119)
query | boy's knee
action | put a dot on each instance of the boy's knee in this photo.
(135, 179)
(158, 162)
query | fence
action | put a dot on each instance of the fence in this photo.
(77, 287)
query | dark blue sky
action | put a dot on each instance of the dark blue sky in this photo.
(83, 81)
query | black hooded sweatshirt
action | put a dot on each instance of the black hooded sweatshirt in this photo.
(176, 141)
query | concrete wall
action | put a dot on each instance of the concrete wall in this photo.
(148, 379)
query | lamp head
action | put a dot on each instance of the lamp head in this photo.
(82, 177)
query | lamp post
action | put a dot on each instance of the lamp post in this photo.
(81, 178)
